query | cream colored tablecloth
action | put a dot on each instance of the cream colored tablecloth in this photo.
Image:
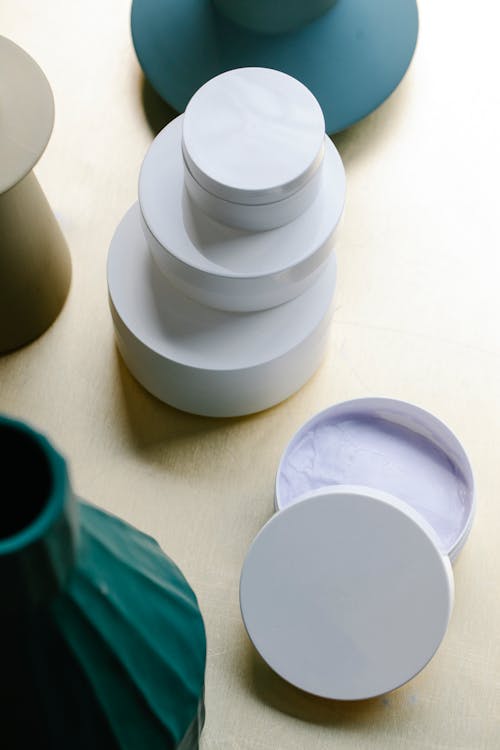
(417, 318)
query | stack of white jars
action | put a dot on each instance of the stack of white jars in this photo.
(221, 280)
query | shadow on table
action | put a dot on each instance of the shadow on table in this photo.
(370, 133)
(273, 691)
(158, 112)
(153, 422)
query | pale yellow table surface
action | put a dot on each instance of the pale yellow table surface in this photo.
(417, 318)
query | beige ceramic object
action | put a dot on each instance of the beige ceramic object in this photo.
(35, 267)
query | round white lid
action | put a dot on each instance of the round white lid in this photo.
(253, 135)
(26, 113)
(392, 446)
(345, 594)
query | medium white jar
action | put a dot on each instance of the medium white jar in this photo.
(241, 196)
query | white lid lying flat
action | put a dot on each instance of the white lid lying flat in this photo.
(345, 594)
(253, 135)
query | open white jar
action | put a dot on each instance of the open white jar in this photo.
(253, 142)
(347, 591)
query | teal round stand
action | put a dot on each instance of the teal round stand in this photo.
(352, 57)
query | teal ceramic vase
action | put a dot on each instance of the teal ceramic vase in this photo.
(103, 644)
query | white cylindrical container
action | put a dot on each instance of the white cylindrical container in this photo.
(298, 177)
(221, 279)
(273, 17)
(391, 446)
(35, 265)
(208, 361)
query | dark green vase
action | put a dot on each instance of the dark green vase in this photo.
(103, 644)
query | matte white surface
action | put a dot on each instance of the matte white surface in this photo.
(346, 595)
(254, 217)
(208, 361)
(417, 313)
(224, 267)
(253, 135)
(386, 445)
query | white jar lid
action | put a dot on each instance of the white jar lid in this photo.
(387, 445)
(345, 594)
(253, 135)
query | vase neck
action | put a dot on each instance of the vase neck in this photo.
(37, 519)
(273, 17)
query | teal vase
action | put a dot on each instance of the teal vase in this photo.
(103, 643)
